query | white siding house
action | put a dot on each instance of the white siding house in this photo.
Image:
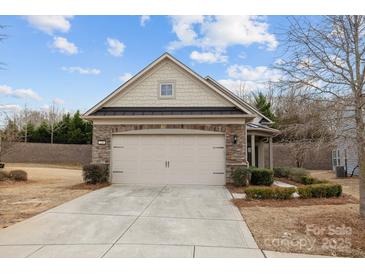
(345, 151)
(345, 154)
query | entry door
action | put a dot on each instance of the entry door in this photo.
(168, 159)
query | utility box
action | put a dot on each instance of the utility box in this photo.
(340, 172)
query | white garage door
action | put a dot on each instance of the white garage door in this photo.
(168, 159)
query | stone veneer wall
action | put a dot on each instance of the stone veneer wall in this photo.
(235, 153)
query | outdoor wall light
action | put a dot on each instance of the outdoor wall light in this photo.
(234, 139)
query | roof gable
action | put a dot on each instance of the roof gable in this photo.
(188, 91)
(221, 98)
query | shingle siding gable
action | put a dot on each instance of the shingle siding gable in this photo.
(188, 91)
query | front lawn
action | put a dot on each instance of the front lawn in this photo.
(317, 226)
(307, 229)
(47, 187)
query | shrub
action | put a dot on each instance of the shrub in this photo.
(95, 173)
(308, 180)
(262, 176)
(320, 191)
(282, 172)
(281, 193)
(295, 173)
(3, 175)
(304, 192)
(18, 175)
(284, 193)
(241, 176)
(322, 181)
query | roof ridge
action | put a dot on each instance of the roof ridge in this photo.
(237, 97)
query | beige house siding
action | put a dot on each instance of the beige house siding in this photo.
(235, 153)
(188, 91)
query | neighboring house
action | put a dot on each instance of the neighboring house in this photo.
(345, 150)
(345, 154)
(169, 125)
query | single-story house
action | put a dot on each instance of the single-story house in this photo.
(169, 125)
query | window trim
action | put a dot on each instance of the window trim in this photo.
(164, 97)
(336, 158)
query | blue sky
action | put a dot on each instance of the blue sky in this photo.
(76, 61)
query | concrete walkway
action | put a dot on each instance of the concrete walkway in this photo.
(136, 221)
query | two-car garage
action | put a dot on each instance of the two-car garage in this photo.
(168, 159)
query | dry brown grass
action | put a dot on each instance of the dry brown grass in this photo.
(350, 185)
(48, 187)
(287, 226)
(24, 165)
(282, 230)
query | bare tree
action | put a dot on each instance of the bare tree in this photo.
(54, 116)
(8, 134)
(302, 126)
(325, 59)
(23, 120)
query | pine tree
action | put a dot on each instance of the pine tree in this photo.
(264, 106)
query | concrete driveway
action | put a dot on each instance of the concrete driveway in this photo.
(136, 221)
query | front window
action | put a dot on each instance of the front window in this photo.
(336, 159)
(166, 90)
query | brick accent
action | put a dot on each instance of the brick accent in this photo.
(235, 153)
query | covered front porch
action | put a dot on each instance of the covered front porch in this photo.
(260, 146)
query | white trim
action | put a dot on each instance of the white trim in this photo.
(153, 64)
(122, 117)
(168, 131)
(271, 154)
(165, 121)
(166, 97)
(258, 131)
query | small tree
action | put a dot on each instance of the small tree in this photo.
(42, 133)
(264, 106)
(9, 134)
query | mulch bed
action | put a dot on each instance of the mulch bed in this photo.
(288, 181)
(344, 199)
(89, 186)
(240, 189)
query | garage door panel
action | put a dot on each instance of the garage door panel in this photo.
(193, 159)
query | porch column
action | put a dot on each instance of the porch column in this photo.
(271, 165)
(261, 154)
(253, 150)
